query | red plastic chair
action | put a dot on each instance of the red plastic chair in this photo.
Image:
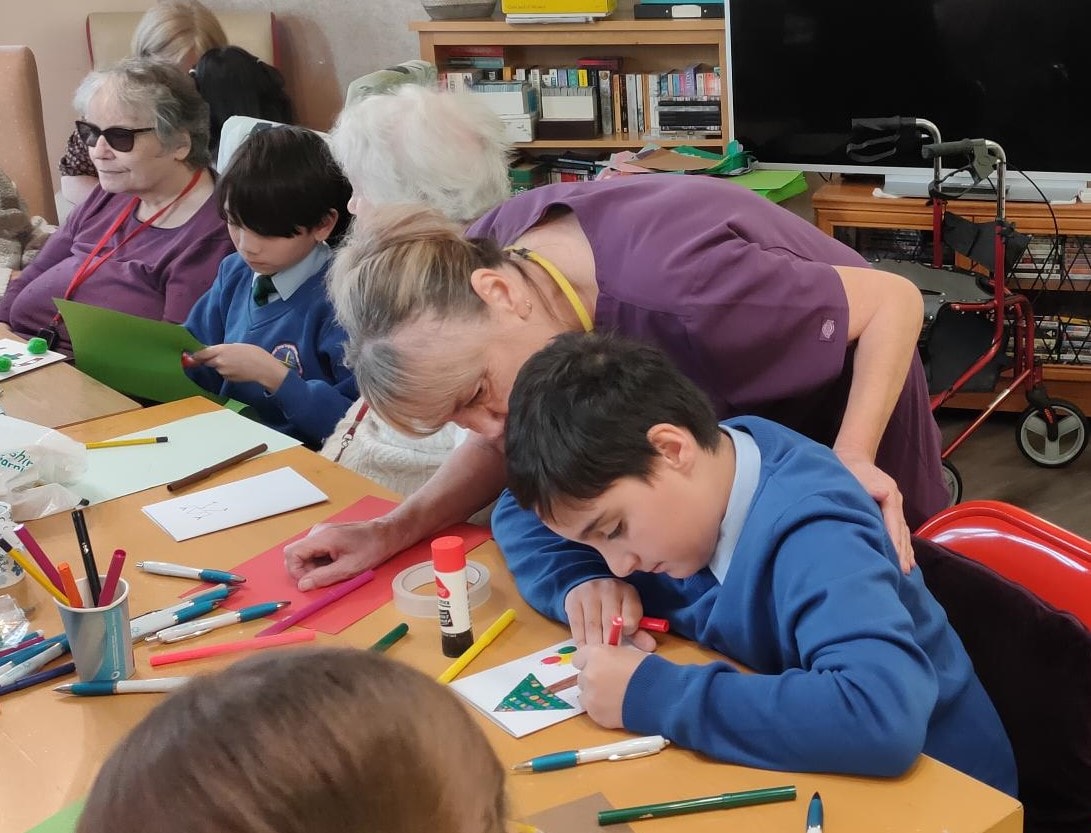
(1051, 562)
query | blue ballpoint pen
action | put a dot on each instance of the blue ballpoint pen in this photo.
(160, 619)
(163, 568)
(814, 814)
(622, 751)
(188, 630)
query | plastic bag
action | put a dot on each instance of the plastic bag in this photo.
(35, 462)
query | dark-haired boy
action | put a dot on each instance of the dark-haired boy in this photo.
(755, 542)
(276, 344)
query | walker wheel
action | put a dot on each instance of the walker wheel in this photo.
(953, 481)
(1052, 436)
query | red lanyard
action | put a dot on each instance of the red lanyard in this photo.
(347, 438)
(90, 265)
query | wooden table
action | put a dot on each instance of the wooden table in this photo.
(58, 395)
(52, 745)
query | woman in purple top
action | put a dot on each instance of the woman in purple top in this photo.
(766, 313)
(149, 239)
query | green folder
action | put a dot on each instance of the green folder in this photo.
(63, 821)
(137, 356)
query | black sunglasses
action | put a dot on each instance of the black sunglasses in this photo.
(120, 139)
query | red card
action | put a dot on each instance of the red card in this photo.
(267, 580)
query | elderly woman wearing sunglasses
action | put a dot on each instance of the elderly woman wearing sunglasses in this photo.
(149, 239)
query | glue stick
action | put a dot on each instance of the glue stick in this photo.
(449, 563)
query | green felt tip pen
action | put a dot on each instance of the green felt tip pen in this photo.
(697, 805)
(397, 633)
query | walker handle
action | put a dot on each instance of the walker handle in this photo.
(963, 147)
(883, 123)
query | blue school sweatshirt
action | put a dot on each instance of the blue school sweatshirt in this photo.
(301, 331)
(855, 667)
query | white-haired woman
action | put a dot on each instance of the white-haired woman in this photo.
(414, 144)
(150, 237)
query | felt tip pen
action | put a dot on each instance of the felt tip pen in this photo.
(622, 751)
(101, 688)
(814, 814)
(199, 627)
(396, 633)
(152, 622)
(34, 663)
(723, 801)
(163, 568)
(36, 679)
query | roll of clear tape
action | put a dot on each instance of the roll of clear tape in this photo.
(411, 579)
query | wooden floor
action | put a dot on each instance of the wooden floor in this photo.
(992, 467)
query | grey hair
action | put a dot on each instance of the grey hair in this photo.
(172, 29)
(163, 92)
(394, 283)
(417, 144)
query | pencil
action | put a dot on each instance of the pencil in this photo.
(68, 582)
(113, 573)
(480, 644)
(216, 468)
(38, 554)
(336, 592)
(255, 644)
(563, 685)
(31, 569)
(123, 443)
(395, 634)
(94, 587)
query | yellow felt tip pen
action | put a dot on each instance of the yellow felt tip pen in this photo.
(32, 570)
(480, 644)
(123, 443)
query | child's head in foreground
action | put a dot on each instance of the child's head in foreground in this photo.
(318, 741)
(613, 447)
(282, 195)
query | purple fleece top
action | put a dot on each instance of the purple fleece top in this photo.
(158, 274)
(741, 294)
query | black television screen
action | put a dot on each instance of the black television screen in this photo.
(1017, 72)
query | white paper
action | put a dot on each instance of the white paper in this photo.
(487, 690)
(193, 443)
(222, 507)
(21, 360)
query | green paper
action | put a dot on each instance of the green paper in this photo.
(136, 356)
(63, 821)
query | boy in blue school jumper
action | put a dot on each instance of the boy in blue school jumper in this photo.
(275, 343)
(755, 542)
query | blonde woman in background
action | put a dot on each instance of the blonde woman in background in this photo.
(176, 31)
(446, 151)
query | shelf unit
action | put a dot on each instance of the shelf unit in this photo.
(1057, 282)
(643, 46)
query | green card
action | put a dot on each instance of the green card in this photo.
(61, 822)
(137, 356)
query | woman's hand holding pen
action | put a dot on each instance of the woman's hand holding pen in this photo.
(882, 487)
(591, 606)
(605, 672)
(244, 363)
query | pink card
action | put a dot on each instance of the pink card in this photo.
(267, 581)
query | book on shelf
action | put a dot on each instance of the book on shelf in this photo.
(557, 7)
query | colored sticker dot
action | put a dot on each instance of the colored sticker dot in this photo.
(550, 660)
(568, 649)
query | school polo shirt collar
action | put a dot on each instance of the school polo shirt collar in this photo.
(743, 487)
(289, 280)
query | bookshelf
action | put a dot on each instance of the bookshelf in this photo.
(1056, 277)
(643, 45)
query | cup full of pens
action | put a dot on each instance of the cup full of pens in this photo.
(99, 635)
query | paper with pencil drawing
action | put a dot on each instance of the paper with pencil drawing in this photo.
(222, 507)
(515, 695)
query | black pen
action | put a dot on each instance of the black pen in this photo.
(89, 566)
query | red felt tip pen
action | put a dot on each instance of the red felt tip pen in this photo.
(113, 573)
(615, 631)
(650, 623)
